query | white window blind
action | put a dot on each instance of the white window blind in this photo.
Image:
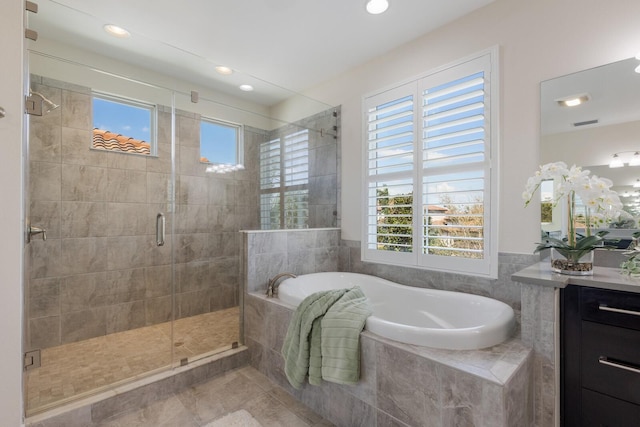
(428, 172)
(284, 182)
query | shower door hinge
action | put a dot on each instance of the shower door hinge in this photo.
(31, 360)
(31, 6)
(31, 34)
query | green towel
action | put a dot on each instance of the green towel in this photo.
(341, 327)
(333, 355)
(297, 343)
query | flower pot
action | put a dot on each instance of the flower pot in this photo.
(574, 263)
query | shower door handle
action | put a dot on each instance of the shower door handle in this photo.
(160, 229)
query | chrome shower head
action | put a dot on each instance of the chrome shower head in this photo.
(46, 104)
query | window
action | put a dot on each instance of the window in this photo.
(221, 143)
(123, 125)
(284, 182)
(430, 175)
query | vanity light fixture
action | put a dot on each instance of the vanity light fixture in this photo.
(376, 7)
(225, 71)
(246, 88)
(573, 100)
(636, 184)
(618, 161)
(638, 69)
(116, 31)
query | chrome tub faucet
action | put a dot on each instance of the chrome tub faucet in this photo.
(272, 287)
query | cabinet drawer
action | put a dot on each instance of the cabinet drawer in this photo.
(611, 307)
(599, 410)
(610, 360)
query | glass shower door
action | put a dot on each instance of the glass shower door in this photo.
(99, 289)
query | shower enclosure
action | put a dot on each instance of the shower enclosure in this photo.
(133, 262)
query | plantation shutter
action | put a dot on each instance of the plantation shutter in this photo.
(429, 191)
(284, 182)
(390, 151)
(455, 168)
(296, 178)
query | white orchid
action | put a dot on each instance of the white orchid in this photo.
(602, 204)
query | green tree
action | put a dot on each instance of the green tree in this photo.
(394, 221)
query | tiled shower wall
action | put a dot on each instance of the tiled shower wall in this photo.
(100, 271)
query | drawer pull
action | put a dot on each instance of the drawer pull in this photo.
(618, 310)
(614, 364)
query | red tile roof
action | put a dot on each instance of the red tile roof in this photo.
(106, 140)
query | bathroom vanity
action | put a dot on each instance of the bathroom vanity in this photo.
(599, 345)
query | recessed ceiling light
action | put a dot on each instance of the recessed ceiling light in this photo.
(376, 7)
(221, 69)
(573, 100)
(246, 88)
(116, 31)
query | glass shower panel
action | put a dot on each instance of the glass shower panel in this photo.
(213, 204)
(99, 289)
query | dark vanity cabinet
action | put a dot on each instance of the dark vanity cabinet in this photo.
(600, 357)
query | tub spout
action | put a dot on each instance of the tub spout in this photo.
(272, 287)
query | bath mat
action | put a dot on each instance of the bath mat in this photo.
(239, 418)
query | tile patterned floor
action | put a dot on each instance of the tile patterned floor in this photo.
(79, 369)
(243, 388)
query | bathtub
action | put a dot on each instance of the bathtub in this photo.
(425, 317)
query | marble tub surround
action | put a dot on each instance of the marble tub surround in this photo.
(401, 384)
(268, 253)
(500, 377)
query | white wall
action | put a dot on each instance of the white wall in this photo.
(538, 40)
(11, 39)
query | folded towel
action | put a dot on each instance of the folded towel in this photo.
(297, 342)
(334, 354)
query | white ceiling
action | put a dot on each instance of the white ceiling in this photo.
(292, 44)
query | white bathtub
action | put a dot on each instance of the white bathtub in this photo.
(426, 317)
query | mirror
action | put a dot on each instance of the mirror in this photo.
(604, 124)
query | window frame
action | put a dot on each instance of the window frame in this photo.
(153, 120)
(239, 128)
(487, 266)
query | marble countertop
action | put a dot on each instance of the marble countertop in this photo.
(603, 278)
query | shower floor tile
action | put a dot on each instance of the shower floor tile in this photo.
(79, 369)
